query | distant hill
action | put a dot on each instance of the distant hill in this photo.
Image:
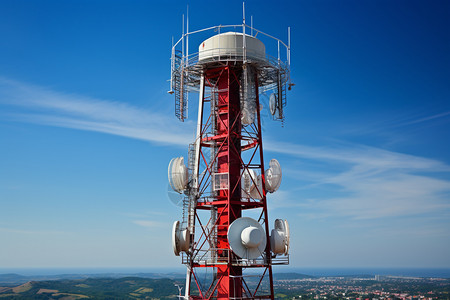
(101, 286)
(15, 279)
(12, 279)
(94, 288)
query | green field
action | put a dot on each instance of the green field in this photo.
(98, 288)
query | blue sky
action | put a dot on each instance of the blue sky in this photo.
(87, 130)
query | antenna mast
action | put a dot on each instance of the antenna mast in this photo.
(225, 180)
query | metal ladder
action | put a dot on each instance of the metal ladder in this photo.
(179, 87)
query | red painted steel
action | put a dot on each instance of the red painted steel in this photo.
(229, 282)
(228, 162)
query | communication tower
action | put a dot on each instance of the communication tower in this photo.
(224, 237)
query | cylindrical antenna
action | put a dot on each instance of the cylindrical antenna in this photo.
(187, 35)
(244, 46)
(289, 57)
(251, 25)
(289, 47)
(243, 13)
(278, 52)
(187, 55)
(172, 62)
(182, 40)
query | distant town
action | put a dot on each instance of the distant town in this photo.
(363, 287)
(165, 286)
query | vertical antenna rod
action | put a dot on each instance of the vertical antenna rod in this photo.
(187, 35)
(172, 62)
(244, 45)
(182, 37)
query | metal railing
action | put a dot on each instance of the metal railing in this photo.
(186, 68)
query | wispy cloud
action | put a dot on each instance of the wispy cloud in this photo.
(373, 159)
(427, 118)
(390, 195)
(376, 183)
(416, 230)
(47, 107)
(389, 124)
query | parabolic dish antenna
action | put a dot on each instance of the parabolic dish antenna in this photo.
(247, 238)
(180, 238)
(273, 176)
(280, 237)
(272, 180)
(178, 174)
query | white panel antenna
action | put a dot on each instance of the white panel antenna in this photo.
(256, 190)
(248, 97)
(248, 178)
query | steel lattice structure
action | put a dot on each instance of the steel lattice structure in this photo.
(222, 164)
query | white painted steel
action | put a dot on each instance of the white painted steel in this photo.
(231, 45)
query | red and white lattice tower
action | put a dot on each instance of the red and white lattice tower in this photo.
(224, 236)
